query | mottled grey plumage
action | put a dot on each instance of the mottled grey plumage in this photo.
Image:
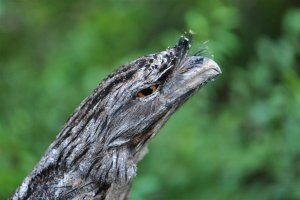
(95, 155)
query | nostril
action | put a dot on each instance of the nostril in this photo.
(199, 60)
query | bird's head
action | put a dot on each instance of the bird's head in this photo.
(113, 125)
(144, 93)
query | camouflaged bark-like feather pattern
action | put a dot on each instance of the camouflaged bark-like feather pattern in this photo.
(95, 155)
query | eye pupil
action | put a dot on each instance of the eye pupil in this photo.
(147, 91)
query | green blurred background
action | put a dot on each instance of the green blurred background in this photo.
(238, 138)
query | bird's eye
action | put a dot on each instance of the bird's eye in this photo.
(147, 91)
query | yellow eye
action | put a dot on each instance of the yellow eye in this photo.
(147, 91)
(140, 94)
(154, 88)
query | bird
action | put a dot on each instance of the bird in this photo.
(95, 155)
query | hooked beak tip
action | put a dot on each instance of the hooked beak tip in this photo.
(214, 66)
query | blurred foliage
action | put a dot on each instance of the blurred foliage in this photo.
(238, 138)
